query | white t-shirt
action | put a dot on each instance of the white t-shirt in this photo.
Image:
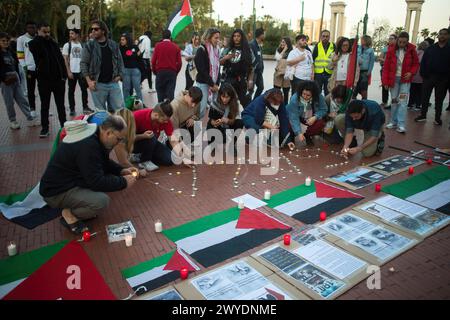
(303, 69)
(400, 57)
(74, 56)
(342, 67)
(145, 46)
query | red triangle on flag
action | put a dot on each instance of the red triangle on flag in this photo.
(277, 295)
(254, 219)
(68, 275)
(326, 191)
(178, 262)
(185, 9)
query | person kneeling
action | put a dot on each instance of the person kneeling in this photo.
(80, 171)
(368, 116)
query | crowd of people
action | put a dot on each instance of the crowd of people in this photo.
(310, 97)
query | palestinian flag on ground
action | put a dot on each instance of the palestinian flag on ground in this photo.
(68, 275)
(306, 203)
(158, 272)
(430, 189)
(225, 234)
(180, 18)
(14, 270)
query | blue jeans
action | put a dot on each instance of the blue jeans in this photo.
(131, 80)
(205, 91)
(399, 95)
(108, 96)
(155, 151)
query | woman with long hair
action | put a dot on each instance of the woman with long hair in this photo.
(281, 55)
(366, 60)
(237, 65)
(340, 63)
(131, 74)
(189, 55)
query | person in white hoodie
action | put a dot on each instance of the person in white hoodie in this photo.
(145, 46)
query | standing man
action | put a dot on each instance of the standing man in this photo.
(258, 64)
(51, 75)
(145, 47)
(322, 57)
(26, 61)
(102, 67)
(385, 92)
(301, 61)
(72, 57)
(166, 63)
(435, 70)
(400, 66)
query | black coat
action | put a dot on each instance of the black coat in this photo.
(202, 64)
(49, 60)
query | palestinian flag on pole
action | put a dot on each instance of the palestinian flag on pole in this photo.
(68, 275)
(158, 272)
(430, 189)
(14, 270)
(306, 203)
(180, 19)
(225, 234)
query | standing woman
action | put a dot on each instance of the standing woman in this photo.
(281, 55)
(237, 65)
(189, 55)
(132, 74)
(208, 66)
(339, 64)
(415, 92)
(366, 60)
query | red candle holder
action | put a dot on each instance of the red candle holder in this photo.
(86, 236)
(184, 273)
(378, 187)
(323, 216)
(287, 239)
(429, 161)
(411, 170)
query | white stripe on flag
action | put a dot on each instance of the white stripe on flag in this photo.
(434, 197)
(8, 287)
(211, 237)
(192, 263)
(148, 276)
(301, 204)
(175, 21)
(33, 201)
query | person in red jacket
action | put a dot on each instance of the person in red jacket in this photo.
(400, 65)
(166, 63)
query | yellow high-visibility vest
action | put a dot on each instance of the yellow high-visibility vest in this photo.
(323, 59)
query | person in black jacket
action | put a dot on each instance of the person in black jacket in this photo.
(80, 171)
(51, 75)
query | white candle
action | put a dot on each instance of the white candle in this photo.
(241, 204)
(308, 181)
(12, 249)
(128, 240)
(267, 195)
(158, 226)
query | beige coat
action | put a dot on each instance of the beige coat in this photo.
(182, 112)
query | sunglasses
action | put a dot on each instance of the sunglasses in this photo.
(95, 29)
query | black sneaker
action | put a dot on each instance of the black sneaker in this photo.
(72, 113)
(44, 133)
(438, 122)
(380, 144)
(420, 118)
(309, 141)
(88, 111)
(387, 107)
(448, 108)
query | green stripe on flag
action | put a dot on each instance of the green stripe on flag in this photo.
(147, 265)
(419, 183)
(23, 265)
(187, 20)
(203, 224)
(290, 194)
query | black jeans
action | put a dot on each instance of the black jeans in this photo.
(415, 95)
(259, 84)
(46, 88)
(285, 94)
(77, 77)
(240, 86)
(148, 73)
(322, 82)
(166, 80)
(155, 151)
(238, 124)
(440, 84)
(31, 87)
(384, 92)
(189, 81)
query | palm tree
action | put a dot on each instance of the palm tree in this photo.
(433, 35)
(425, 33)
(398, 30)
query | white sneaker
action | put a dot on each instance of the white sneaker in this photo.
(151, 91)
(390, 125)
(14, 125)
(33, 114)
(135, 157)
(148, 166)
(401, 130)
(33, 123)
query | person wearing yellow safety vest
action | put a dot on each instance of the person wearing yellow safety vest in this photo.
(322, 57)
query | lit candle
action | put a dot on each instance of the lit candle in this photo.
(134, 174)
(267, 195)
(128, 240)
(184, 273)
(12, 249)
(287, 239)
(158, 226)
(323, 216)
(411, 170)
(308, 181)
(241, 204)
(378, 187)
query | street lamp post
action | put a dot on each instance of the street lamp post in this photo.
(302, 22)
(321, 18)
(254, 19)
(366, 18)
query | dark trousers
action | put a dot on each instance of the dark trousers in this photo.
(240, 86)
(46, 88)
(31, 87)
(439, 84)
(259, 83)
(147, 74)
(415, 95)
(314, 130)
(155, 151)
(166, 80)
(77, 77)
(189, 81)
(285, 94)
(238, 124)
(322, 82)
(385, 92)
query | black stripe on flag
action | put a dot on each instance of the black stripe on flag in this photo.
(157, 282)
(444, 209)
(233, 247)
(312, 215)
(174, 13)
(36, 217)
